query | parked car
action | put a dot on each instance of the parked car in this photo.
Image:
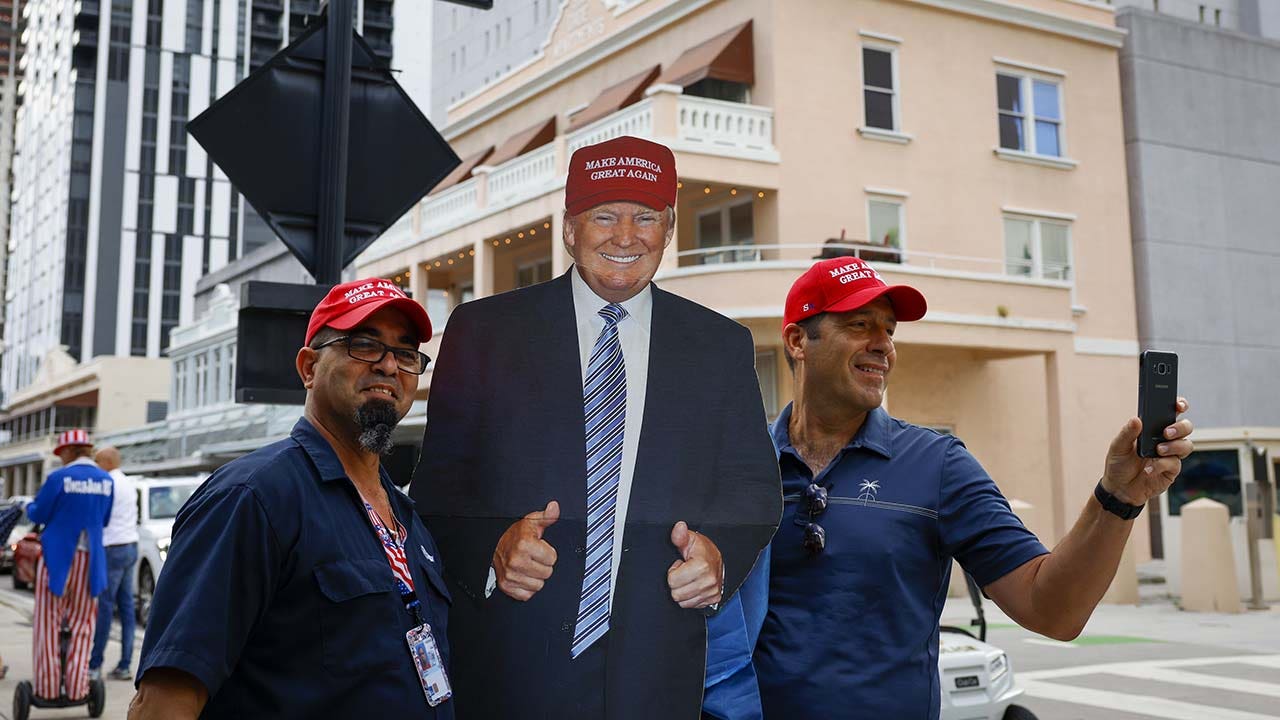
(19, 531)
(976, 677)
(159, 500)
(26, 553)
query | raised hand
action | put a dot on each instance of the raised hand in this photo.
(523, 561)
(1134, 479)
(696, 579)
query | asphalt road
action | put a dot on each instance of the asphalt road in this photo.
(1131, 663)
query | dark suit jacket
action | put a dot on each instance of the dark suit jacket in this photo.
(505, 434)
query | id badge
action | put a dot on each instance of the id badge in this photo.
(430, 666)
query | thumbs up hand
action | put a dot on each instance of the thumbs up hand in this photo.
(696, 579)
(523, 561)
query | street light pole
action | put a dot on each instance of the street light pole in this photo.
(335, 126)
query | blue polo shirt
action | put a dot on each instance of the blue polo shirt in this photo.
(852, 632)
(277, 595)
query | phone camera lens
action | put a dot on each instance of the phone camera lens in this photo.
(1162, 368)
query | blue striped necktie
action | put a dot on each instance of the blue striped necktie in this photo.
(604, 402)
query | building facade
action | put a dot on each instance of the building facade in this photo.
(11, 26)
(471, 49)
(1201, 109)
(103, 395)
(997, 188)
(116, 211)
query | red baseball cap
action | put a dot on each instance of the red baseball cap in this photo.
(348, 304)
(624, 168)
(69, 438)
(847, 283)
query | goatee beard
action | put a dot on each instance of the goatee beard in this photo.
(376, 419)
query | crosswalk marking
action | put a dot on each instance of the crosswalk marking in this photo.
(1038, 684)
(1270, 661)
(1217, 682)
(1137, 704)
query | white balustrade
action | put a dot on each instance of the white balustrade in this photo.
(450, 206)
(722, 124)
(522, 177)
(636, 120)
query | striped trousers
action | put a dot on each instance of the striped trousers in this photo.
(80, 611)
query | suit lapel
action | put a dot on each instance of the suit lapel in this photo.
(557, 334)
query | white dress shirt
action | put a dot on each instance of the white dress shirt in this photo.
(123, 527)
(633, 335)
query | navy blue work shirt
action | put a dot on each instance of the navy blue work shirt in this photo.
(277, 594)
(852, 632)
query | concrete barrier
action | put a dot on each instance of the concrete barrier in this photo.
(1124, 586)
(1208, 565)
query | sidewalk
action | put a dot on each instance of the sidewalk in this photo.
(15, 648)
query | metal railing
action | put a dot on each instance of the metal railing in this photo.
(750, 254)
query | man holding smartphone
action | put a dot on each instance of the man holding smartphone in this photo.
(876, 508)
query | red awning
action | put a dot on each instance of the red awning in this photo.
(615, 97)
(524, 141)
(463, 171)
(728, 56)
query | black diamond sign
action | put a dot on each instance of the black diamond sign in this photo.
(265, 135)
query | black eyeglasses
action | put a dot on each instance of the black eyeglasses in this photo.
(366, 349)
(815, 537)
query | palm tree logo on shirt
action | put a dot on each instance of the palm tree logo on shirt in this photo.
(867, 490)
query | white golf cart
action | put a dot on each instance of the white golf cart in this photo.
(976, 678)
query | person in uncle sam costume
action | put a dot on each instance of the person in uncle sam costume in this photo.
(877, 508)
(596, 467)
(300, 582)
(74, 504)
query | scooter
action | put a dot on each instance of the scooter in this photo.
(25, 698)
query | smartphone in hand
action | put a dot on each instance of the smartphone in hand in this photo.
(1157, 398)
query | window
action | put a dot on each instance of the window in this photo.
(1213, 474)
(533, 273)
(1037, 248)
(884, 228)
(720, 90)
(731, 225)
(201, 381)
(1030, 114)
(878, 96)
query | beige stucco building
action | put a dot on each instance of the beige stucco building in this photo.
(971, 148)
(104, 395)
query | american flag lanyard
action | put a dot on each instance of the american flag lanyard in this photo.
(393, 546)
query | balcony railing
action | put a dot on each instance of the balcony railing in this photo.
(700, 125)
(722, 124)
(523, 177)
(635, 120)
(750, 254)
(451, 206)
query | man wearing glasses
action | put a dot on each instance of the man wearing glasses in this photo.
(877, 508)
(300, 583)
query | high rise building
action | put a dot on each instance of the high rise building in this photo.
(472, 48)
(116, 212)
(11, 25)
